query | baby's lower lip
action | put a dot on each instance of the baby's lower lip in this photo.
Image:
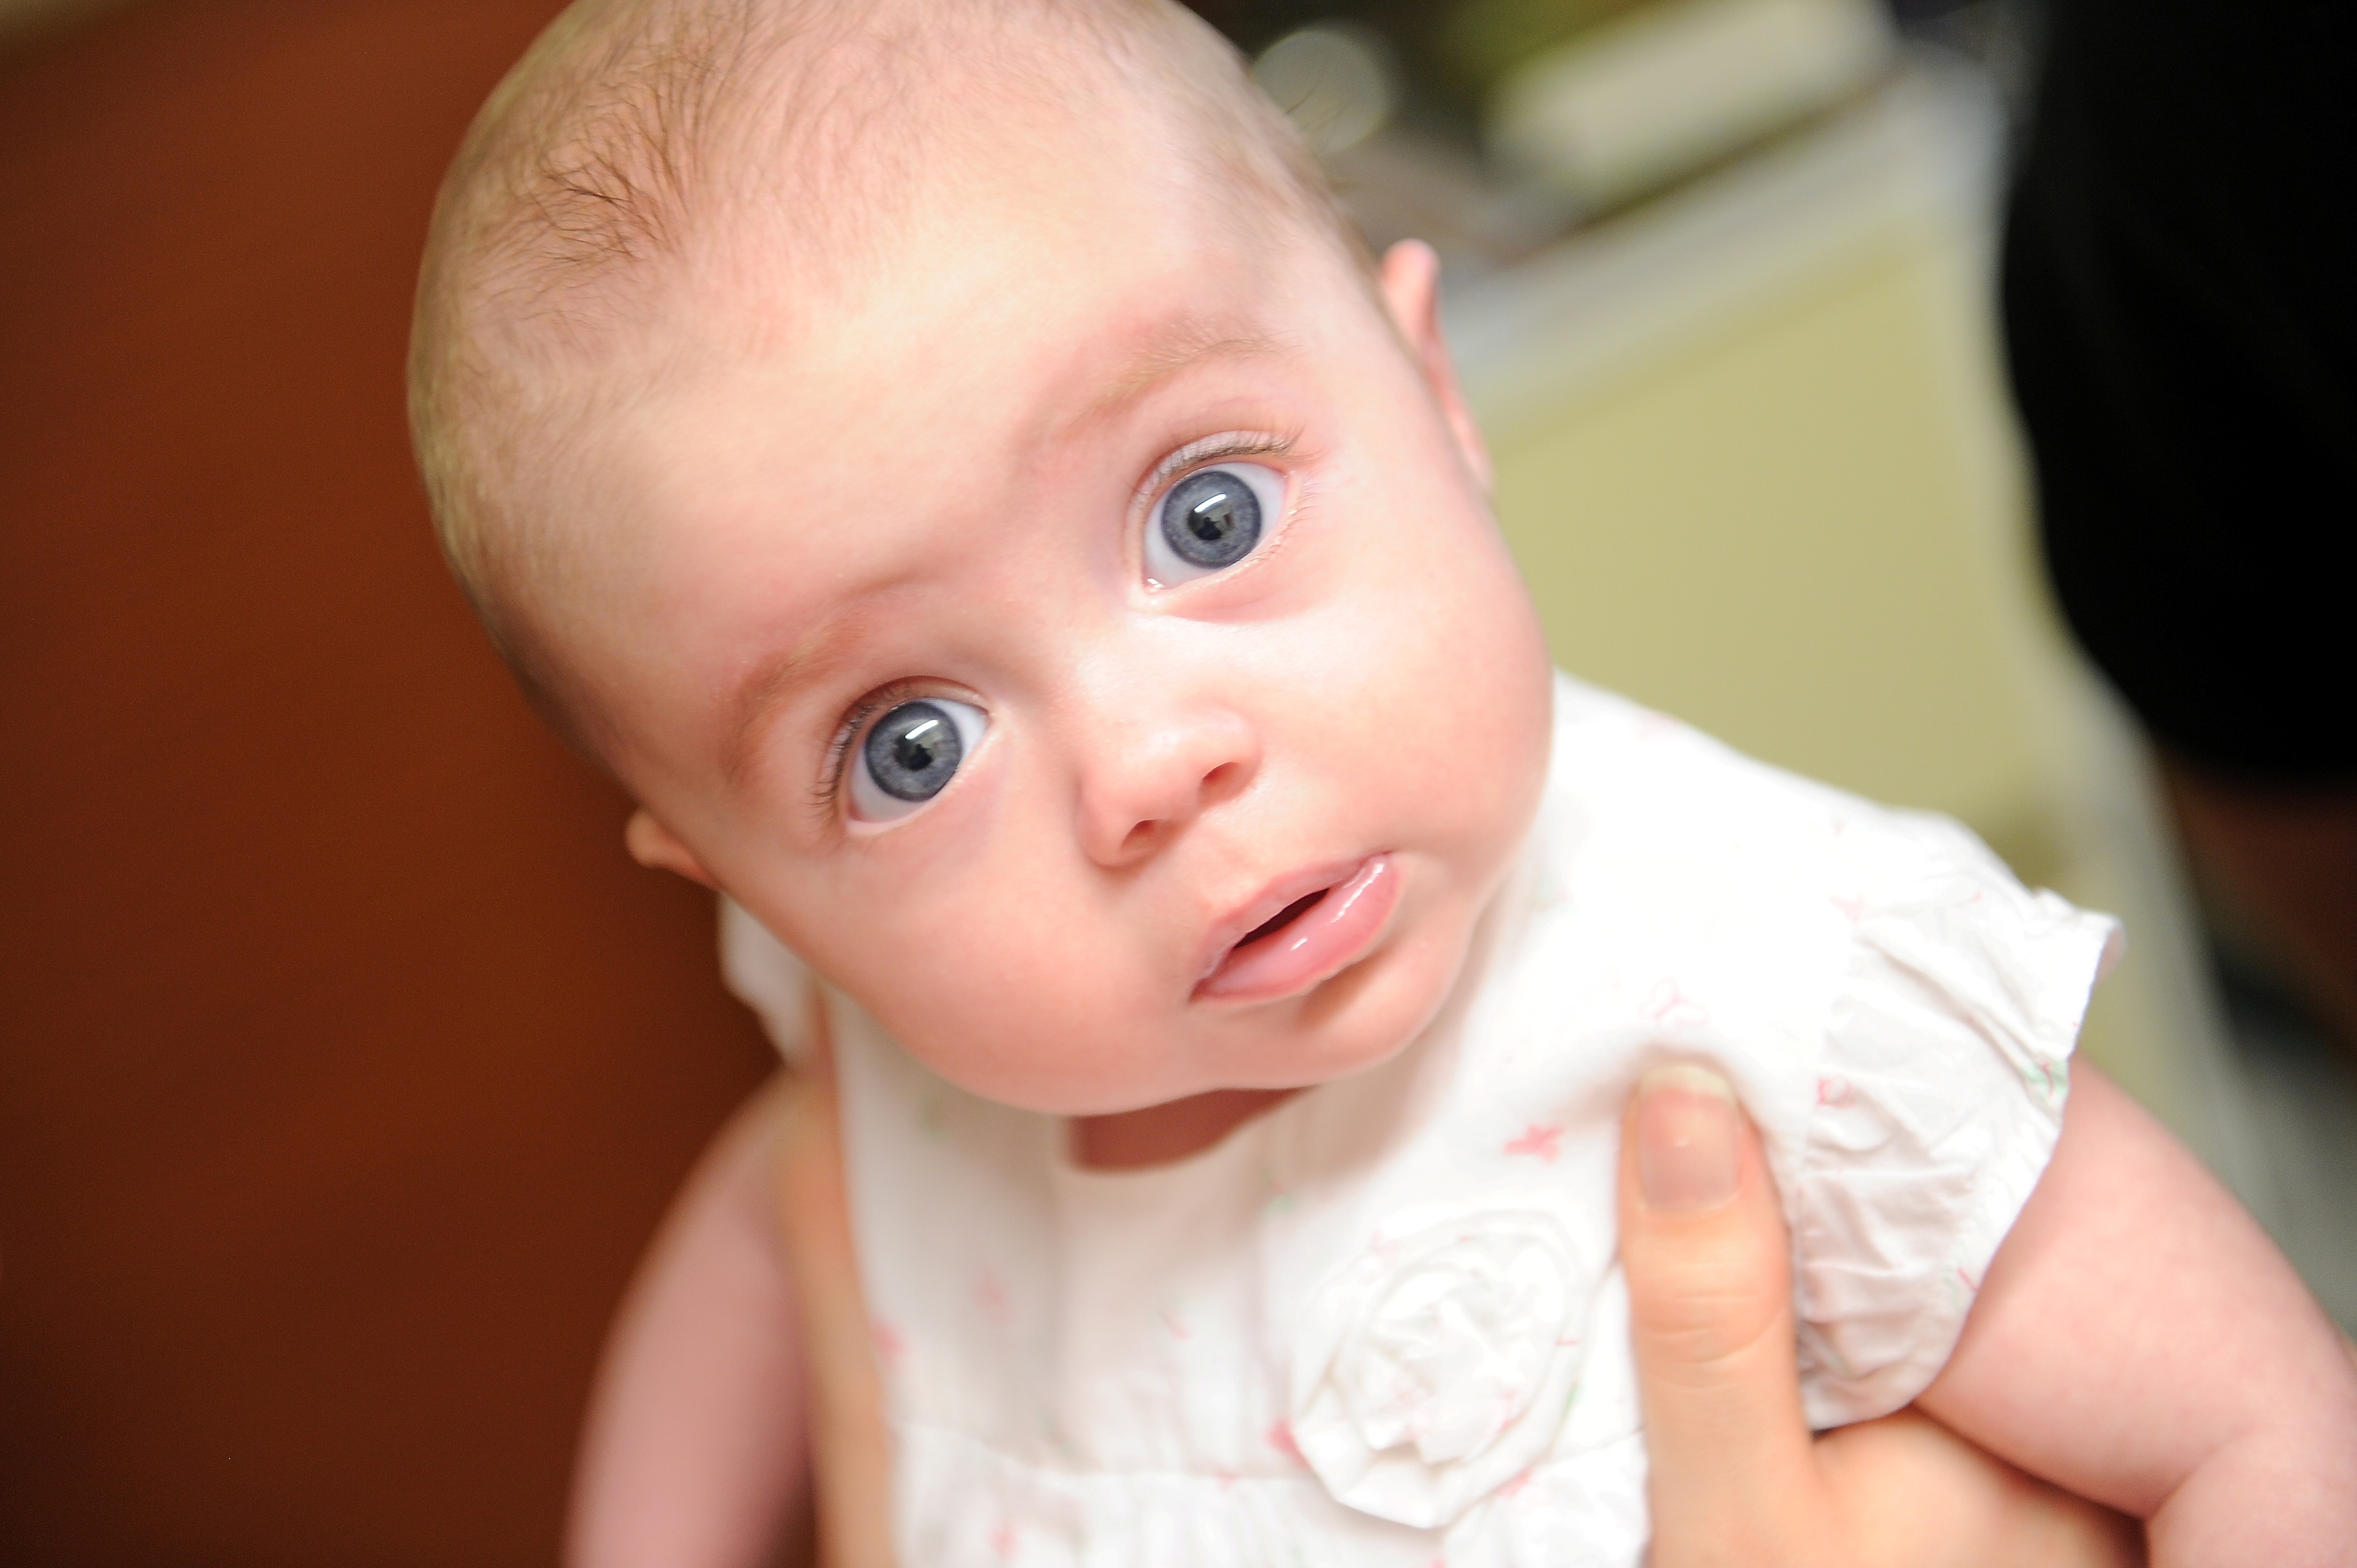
(1327, 936)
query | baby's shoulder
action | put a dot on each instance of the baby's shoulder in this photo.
(1894, 1008)
(1784, 923)
(1636, 794)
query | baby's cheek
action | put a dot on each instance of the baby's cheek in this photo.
(1012, 989)
(1499, 687)
(1457, 709)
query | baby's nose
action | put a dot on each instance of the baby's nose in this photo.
(1144, 781)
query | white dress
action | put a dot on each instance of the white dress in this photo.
(1383, 1324)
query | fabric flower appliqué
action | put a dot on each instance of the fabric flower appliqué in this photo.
(1438, 1366)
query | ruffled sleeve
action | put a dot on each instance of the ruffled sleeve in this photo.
(766, 976)
(1938, 1105)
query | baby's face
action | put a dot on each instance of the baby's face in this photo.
(1026, 638)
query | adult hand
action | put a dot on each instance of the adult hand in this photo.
(1736, 1476)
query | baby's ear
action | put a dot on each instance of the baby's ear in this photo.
(653, 844)
(1411, 284)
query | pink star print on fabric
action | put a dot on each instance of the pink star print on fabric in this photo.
(1280, 1436)
(1672, 1010)
(1542, 1139)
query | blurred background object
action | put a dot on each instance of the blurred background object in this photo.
(347, 1064)
(1337, 81)
(1665, 89)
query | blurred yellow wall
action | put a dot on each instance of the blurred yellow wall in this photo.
(1783, 539)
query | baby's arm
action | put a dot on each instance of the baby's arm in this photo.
(696, 1454)
(2141, 1342)
(739, 1394)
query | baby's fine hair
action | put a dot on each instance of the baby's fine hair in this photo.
(640, 138)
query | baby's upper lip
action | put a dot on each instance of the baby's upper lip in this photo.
(1266, 905)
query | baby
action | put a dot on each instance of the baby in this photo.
(951, 462)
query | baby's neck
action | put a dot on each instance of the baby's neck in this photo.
(1161, 1133)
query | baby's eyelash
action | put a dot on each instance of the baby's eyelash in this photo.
(1209, 450)
(838, 750)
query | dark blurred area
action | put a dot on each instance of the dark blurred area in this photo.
(347, 1062)
(2182, 340)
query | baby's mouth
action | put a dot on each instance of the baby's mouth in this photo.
(1284, 918)
(1309, 938)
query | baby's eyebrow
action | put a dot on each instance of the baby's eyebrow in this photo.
(1185, 343)
(762, 693)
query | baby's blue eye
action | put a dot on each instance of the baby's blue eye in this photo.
(1210, 520)
(909, 754)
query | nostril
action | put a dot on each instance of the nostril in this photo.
(1139, 836)
(1220, 780)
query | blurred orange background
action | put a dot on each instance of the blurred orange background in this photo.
(348, 1063)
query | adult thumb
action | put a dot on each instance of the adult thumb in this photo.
(1710, 1294)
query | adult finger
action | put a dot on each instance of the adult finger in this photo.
(850, 1446)
(1736, 1476)
(1734, 1479)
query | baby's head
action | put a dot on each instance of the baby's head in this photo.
(949, 462)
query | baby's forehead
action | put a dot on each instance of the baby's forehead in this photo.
(1028, 298)
(1020, 327)
(1005, 371)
